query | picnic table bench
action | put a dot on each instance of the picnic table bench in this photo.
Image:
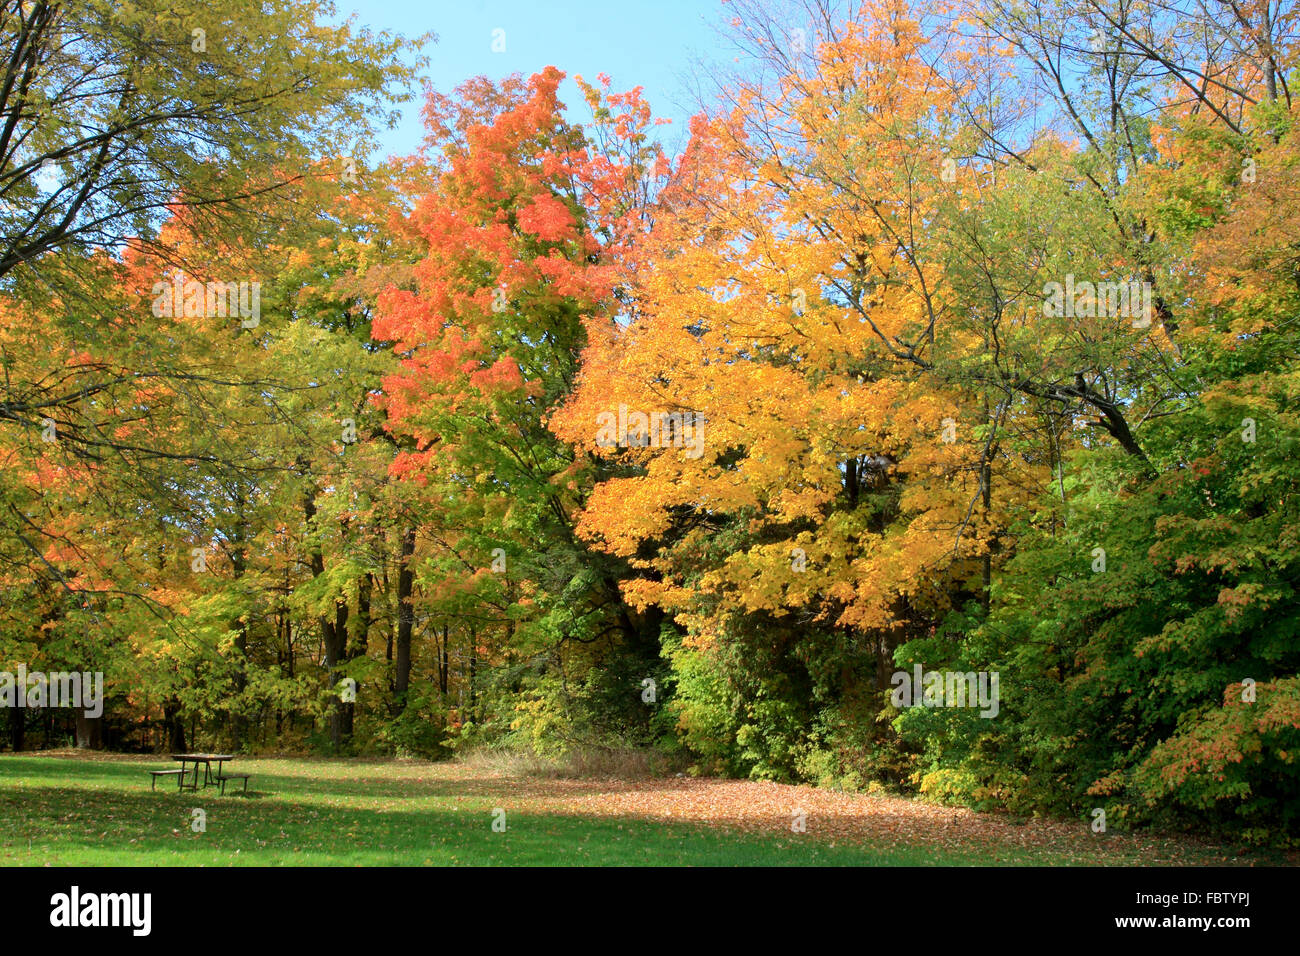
(233, 776)
(209, 779)
(155, 774)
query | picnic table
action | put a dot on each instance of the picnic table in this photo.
(207, 760)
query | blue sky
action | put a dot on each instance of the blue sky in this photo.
(648, 43)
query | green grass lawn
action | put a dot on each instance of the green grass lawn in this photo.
(75, 811)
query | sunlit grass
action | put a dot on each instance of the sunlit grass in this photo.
(65, 811)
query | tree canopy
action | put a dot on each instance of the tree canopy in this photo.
(956, 342)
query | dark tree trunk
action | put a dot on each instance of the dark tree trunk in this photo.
(473, 670)
(239, 563)
(444, 663)
(851, 481)
(405, 620)
(335, 636)
(986, 491)
(90, 732)
(365, 588)
(334, 633)
(357, 648)
(17, 727)
(174, 726)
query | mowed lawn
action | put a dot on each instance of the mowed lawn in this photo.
(66, 809)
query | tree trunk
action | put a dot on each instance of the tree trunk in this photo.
(238, 560)
(473, 670)
(444, 663)
(334, 634)
(90, 732)
(986, 492)
(405, 619)
(17, 727)
(174, 726)
(357, 648)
